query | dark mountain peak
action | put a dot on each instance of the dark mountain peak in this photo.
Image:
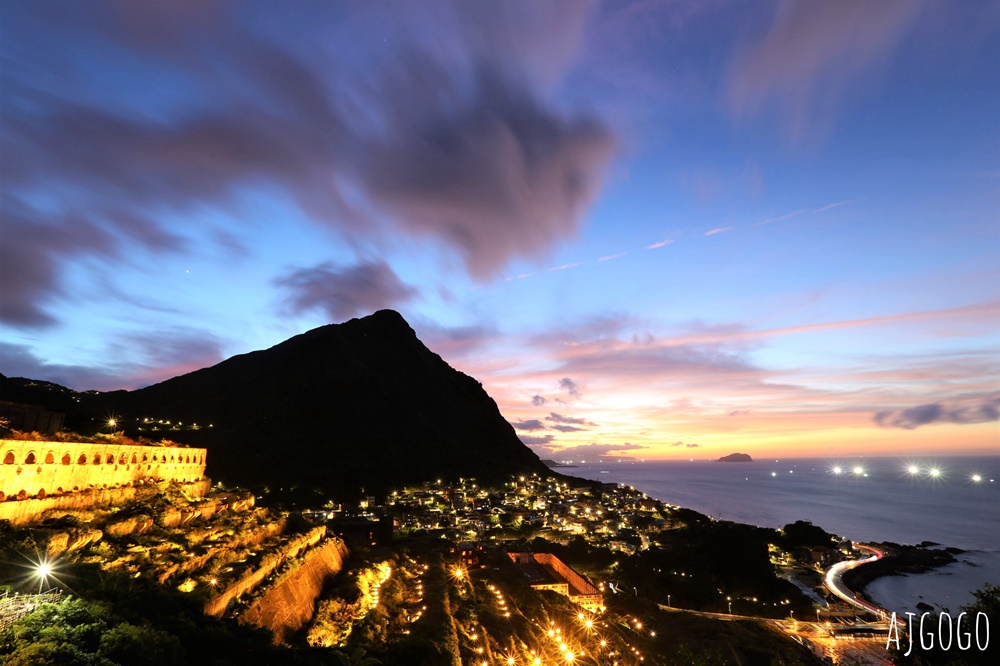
(358, 404)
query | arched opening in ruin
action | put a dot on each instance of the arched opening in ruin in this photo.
(41, 493)
(82, 460)
(135, 459)
(188, 460)
(201, 460)
(59, 490)
(128, 484)
(8, 459)
(122, 458)
(111, 459)
(97, 458)
(171, 459)
(155, 458)
(30, 458)
(50, 458)
(145, 457)
(22, 495)
(66, 459)
(3, 496)
(76, 489)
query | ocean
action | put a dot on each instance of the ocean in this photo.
(952, 501)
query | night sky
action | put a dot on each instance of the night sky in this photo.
(655, 229)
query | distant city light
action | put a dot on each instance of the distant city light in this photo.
(935, 472)
(837, 469)
(913, 469)
(774, 474)
(976, 478)
(859, 470)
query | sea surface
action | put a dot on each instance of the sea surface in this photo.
(863, 499)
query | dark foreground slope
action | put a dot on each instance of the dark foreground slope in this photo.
(362, 404)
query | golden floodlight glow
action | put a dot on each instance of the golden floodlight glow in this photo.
(859, 470)
(935, 472)
(976, 478)
(913, 469)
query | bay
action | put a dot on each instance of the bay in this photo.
(952, 501)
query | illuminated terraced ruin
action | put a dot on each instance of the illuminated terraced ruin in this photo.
(36, 470)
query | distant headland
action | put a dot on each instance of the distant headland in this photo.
(735, 457)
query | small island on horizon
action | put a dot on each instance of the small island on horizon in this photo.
(735, 457)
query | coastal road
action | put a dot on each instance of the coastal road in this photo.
(835, 583)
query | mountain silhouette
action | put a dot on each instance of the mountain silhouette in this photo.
(341, 409)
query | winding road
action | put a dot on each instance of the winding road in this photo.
(835, 583)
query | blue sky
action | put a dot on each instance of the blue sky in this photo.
(653, 228)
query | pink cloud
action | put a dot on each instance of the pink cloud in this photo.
(662, 243)
(813, 56)
(718, 230)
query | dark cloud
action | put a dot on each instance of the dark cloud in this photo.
(442, 131)
(497, 177)
(677, 444)
(344, 292)
(533, 424)
(983, 412)
(538, 400)
(569, 386)
(567, 428)
(559, 418)
(539, 440)
(692, 446)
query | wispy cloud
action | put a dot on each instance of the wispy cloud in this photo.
(783, 217)
(718, 230)
(813, 56)
(613, 256)
(839, 204)
(565, 266)
(662, 243)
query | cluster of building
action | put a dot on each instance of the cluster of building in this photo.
(615, 516)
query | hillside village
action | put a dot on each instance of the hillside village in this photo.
(448, 568)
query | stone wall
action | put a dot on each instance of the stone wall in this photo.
(39, 469)
(251, 579)
(28, 511)
(289, 604)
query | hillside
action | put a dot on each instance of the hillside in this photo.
(363, 404)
